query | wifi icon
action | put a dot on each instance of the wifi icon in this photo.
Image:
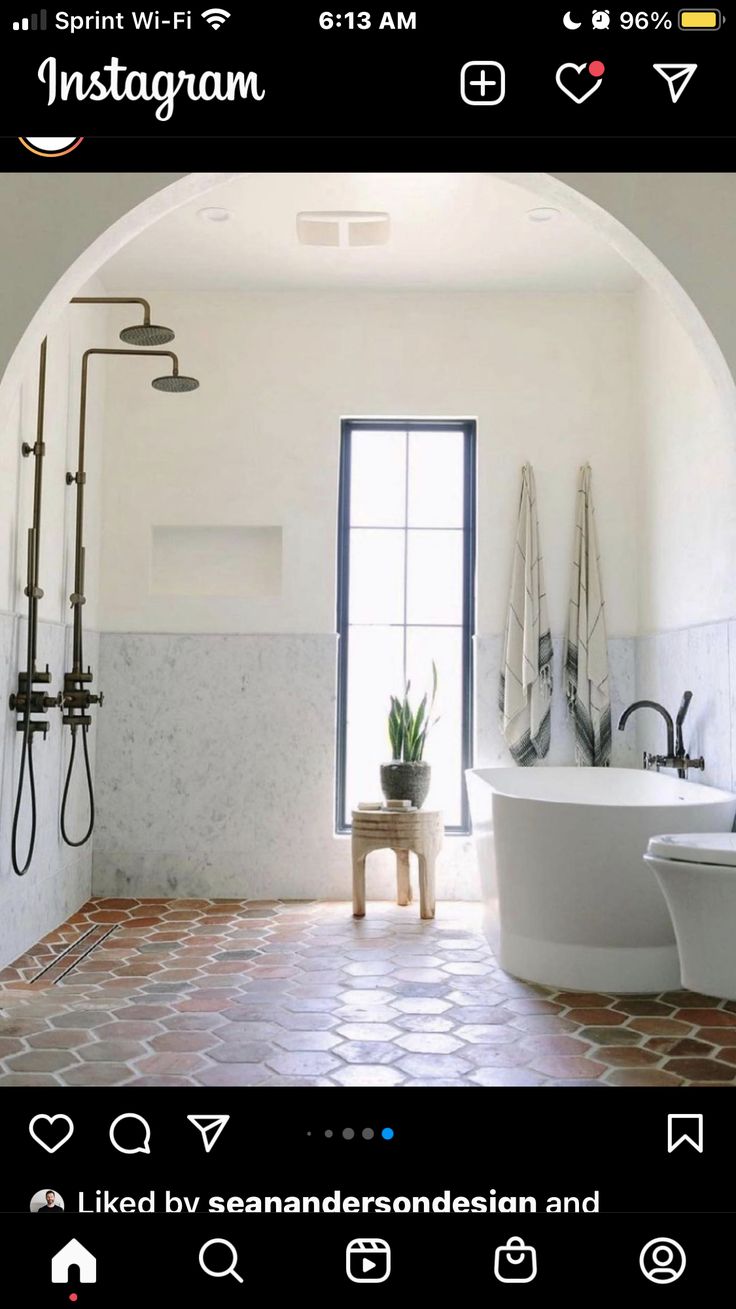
(216, 18)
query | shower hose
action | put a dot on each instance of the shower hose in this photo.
(26, 759)
(90, 788)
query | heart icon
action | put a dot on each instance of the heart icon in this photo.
(596, 70)
(50, 1120)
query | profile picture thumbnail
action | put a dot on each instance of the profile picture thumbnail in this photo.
(47, 1202)
(51, 147)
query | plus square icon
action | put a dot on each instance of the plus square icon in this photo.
(483, 82)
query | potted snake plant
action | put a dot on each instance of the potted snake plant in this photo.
(408, 775)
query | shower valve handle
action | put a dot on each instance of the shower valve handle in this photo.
(40, 703)
(76, 696)
(37, 679)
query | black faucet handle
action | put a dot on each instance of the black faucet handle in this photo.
(684, 706)
(682, 711)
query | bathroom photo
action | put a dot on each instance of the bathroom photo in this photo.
(368, 630)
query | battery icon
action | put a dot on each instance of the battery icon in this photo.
(700, 20)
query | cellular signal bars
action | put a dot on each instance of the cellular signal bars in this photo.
(36, 23)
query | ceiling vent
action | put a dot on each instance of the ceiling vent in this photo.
(343, 227)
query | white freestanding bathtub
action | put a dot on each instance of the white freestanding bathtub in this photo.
(569, 899)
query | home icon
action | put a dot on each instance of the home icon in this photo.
(73, 1254)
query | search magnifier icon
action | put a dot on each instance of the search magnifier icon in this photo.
(232, 1268)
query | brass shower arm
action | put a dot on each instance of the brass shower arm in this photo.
(166, 354)
(146, 334)
(80, 477)
(115, 300)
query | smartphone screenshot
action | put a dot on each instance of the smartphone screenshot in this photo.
(367, 631)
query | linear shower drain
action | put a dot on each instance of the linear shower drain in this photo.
(65, 963)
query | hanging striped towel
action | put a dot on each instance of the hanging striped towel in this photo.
(526, 677)
(586, 651)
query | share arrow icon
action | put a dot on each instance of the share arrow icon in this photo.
(211, 1127)
(677, 77)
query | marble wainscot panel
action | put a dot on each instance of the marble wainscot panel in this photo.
(491, 748)
(701, 660)
(215, 772)
(60, 877)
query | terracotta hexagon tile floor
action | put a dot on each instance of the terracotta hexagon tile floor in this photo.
(285, 993)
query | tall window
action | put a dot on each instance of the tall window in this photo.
(406, 574)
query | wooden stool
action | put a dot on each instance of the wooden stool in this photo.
(421, 830)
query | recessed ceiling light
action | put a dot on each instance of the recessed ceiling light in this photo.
(343, 227)
(542, 215)
(214, 215)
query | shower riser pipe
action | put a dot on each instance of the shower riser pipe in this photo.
(27, 702)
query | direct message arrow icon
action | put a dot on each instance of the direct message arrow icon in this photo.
(677, 77)
(211, 1127)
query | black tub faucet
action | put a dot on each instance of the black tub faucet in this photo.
(676, 756)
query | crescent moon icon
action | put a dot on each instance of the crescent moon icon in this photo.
(569, 22)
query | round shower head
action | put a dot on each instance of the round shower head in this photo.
(175, 382)
(147, 334)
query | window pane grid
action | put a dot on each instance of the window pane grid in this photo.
(431, 563)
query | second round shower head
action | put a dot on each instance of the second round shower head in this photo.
(175, 382)
(147, 334)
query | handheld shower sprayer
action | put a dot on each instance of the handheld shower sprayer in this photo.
(77, 698)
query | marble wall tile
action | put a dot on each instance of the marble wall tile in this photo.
(707, 728)
(622, 672)
(215, 767)
(732, 696)
(491, 748)
(215, 764)
(215, 772)
(59, 879)
(696, 659)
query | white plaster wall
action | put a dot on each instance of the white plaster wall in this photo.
(686, 481)
(47, 221)
(548, 377)
(683, 221)
(687, 512)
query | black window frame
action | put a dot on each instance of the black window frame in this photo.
(468, 428)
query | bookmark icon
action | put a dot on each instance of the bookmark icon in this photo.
(684, 1129)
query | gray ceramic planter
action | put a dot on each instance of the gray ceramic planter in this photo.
(401, 781)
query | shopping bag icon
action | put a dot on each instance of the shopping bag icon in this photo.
(515, 1262)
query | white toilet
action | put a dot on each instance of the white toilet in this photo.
(697, 874)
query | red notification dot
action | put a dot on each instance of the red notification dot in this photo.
(596, 69)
